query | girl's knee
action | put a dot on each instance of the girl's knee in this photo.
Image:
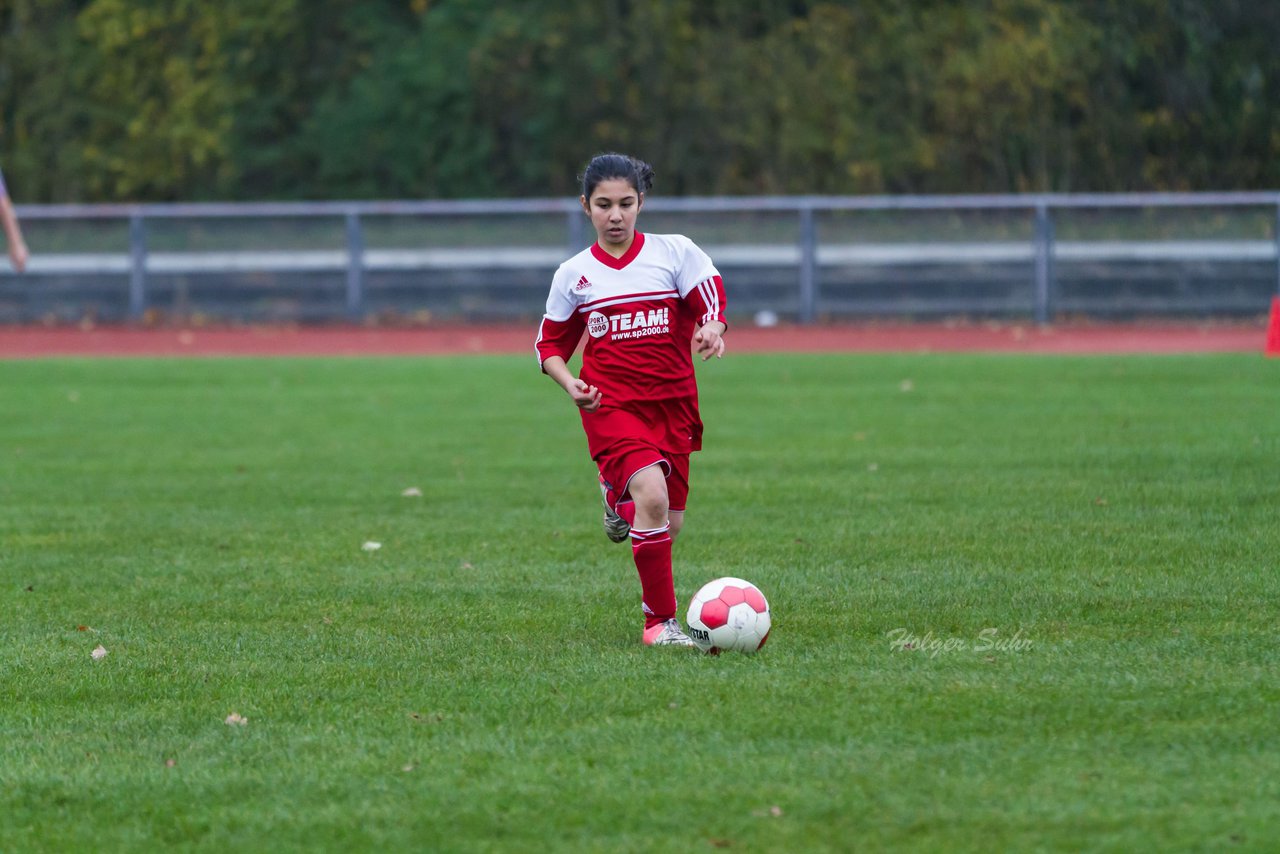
(649, 491)
(652, 504)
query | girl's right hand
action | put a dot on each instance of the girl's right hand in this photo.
(587, 397)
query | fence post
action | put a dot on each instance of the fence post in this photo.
(1043, 265)
(574, 232)
(137, 267)
(1277, 239)
(355, 267)
(808, 266)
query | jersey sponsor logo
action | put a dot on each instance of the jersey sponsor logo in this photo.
(582, 285)
(629, 324)
(597, 324)
(640, 323)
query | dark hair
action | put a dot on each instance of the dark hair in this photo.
(604, 167)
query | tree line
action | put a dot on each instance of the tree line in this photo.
(120, 100)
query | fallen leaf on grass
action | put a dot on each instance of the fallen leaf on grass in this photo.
(234, 719)
(412, 492)
(82, 628)
(371, 546)
(437, 717)
(169, 763)
(99, 652)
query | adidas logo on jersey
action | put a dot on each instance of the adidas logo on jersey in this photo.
(582, 285)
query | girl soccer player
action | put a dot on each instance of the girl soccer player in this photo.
(641, 298)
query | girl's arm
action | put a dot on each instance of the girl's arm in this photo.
(586, 397)
(708, 340)
(13, 233)
(707, 299)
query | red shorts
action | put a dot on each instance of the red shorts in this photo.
(617, 469)
(624, 441)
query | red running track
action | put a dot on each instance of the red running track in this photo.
(37, 342)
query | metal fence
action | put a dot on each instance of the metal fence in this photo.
(805, 259)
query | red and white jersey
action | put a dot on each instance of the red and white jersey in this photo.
(639, 311)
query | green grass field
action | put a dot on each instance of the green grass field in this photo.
(478, 682)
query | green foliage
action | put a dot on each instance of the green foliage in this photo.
(162, 98)
(43, 106)
(116, 100)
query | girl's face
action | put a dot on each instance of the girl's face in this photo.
(613, 207)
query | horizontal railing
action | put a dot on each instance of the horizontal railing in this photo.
(808, 255)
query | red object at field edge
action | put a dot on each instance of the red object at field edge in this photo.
(1273, 329)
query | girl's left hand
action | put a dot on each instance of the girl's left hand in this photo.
(708, 342)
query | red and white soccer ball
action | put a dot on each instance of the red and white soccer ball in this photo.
(729, 614)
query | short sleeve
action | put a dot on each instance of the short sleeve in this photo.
(561, 326)
(693, 266)
(560, 305)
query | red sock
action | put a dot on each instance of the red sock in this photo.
(627, 510)
(652, 553)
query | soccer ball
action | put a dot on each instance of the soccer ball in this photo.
(729, 614)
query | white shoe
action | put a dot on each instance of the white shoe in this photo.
(667, 634)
